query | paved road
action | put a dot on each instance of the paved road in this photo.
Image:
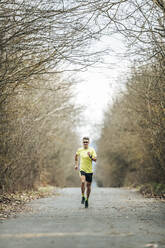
(118, 218)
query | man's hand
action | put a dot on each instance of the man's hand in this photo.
(89, 155)
(93, 158)
(76, 167)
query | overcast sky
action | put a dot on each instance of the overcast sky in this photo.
(99, 86)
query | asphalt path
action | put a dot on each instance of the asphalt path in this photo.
(116, 217)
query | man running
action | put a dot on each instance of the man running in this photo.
(87, 155)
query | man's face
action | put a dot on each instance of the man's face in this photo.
(85, 143)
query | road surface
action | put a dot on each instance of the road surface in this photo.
(116, 217)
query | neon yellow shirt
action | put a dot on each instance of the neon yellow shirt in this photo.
(85, 161)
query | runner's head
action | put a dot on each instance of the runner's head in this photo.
(85, 142)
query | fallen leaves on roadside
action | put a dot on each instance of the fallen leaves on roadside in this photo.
(13, 203)
(156, 191)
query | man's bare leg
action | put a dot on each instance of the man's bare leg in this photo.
(88, 186)
(82, 188)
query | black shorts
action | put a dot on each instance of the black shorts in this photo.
(88, 176)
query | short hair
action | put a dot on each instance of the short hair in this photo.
(86, 138)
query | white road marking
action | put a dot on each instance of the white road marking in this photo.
(62, 234)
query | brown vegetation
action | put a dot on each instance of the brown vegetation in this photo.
(132, 143)
(131, 148)
(37, 136)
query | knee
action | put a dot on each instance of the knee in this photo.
(88, 185)
(83, 181)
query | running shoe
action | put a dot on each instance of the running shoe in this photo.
(86, 203)
(82, 200)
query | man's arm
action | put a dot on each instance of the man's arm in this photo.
(76, 162)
